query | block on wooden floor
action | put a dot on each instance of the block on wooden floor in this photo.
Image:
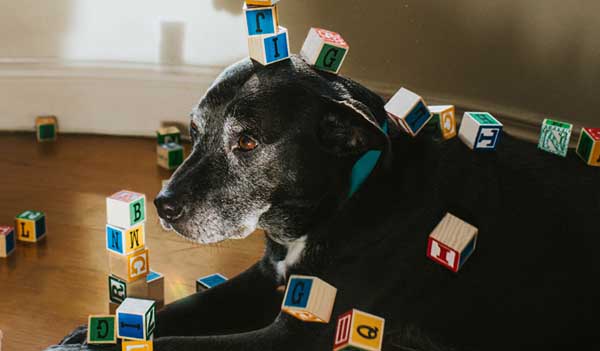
(8, 242)
(125, 209)
(168, 135)
(119, 289)
(555, 137)
(112, 307)
(269, 48)
(357, 330)
(46, 128)
(309, 299)
(156, 286)
(130, 267)
(210, 281)
(101, 330)
(324, 49)
(129, 345)
(261, 20)
(169, 156)
(588, 147)
(125, 240)
(452, 242)
(444, 119)
(30, 226)
(480, 131)
(136, 319)
(261, 2)
(408, 111)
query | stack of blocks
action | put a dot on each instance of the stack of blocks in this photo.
(357, 330)
(169, 150)
(46, 128)
(480, 131)
(268, 42)
(309, 299)
(588, 147)
(452, 242)
(408, 111)
(555, 137)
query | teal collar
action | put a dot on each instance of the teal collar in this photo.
(365, 165)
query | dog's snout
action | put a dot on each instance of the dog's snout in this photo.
(167, 207)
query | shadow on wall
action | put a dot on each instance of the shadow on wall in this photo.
(231, 6)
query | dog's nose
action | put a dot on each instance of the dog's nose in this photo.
(167, 207)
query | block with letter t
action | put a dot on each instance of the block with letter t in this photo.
(30, 226)
(309, 299)
(480, 131)
(125, 209)
(326, 50)
(136, 319)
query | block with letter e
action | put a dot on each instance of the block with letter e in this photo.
(324, 49)
(125, 209)
(309, 299)
(480, 131)
(452, 242)
(136, 319)
(357, 330)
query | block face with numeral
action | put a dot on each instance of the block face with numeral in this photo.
(125, 209)
(309, 299)
(131, 267)
(46, 128)
(129, 345)
(136, 319)
(445, 119)
(326, 50)
(210, 281)
(169, 156)
(7, 241)
(588, 147)
(452, 242)
(101, 330)
(30, 226)
(408, 111)
(357, 330)
(125, 241)
(269, 48)
(480, 131)
(168, 135)
(555, 137)
(261, 20)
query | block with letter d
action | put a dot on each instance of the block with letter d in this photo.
(269, 48)
(7, 240)
(357, 330)
(125, 240)
(30, 226)
(480, 131)
(261, 20)
(101, 330)
(555, 137)
(309, 299)
(452, 242)
(408, 111)
(326, 50)
(444, 120)
(588, 147)
(136, 319)
(130, 267)
(125, 209)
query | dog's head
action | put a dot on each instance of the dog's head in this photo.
(273, 148)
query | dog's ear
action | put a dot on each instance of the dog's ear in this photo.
(347, 128)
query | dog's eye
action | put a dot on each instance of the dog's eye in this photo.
(247, 143)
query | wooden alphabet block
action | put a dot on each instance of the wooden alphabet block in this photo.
(445, 120)
(168, 135)
(269, 48)
(101, 330)
(7, 241)
(408, 111)
(125, 240)
(480, 131)
(357, 330)
(46, 128)
(128, 345)
(156, 286)
(30, 226)
(119, 289)
(169, 156)
(210, 281)
(588, 147)
(136, 319)
(452, 242)
(112, 307)
(325, 50)
(261, 20)
(261, 2)
(309, 299)
(125, 209)
(555, 137)
(131, 267)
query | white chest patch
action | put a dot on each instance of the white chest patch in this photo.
(295, 250)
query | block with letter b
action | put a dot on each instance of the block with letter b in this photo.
(7, 241)
(168, 135)
(357, 330)
(444, 120)
(408, 111)
(30, 226)
(480, 131)
(326, 50)
(130, 267)
(125, 209)
(136, 319)
(261, 20)
(452, 242)
(125, 240)
(46, 128)
(269, 48)
(555, 137)
(101, 330)
(588, 147)
(309, 299)
(169, 156)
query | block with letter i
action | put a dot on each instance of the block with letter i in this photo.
(588, 147)
(101, 330)
(168, 135)
(130, 267)
(555, 137)
(444, 120)
(480, 131)
(30, 226)
(129, 345)
(125, 209)
(309, 299)
(452, 242)
(169, 156)
(261, 20)
(136, 319)
(125, 240)
(269, 48)
(357, 330)
(325, 50)
(408, 111)
(7, 241)
(46, 128)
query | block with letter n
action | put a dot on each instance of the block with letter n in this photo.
(125, 240)
(555, 137)
(309, 299)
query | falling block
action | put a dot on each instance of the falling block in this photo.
(156, 286)
(588, 147)
(555, 137)
(7, 241)
(309, 299)
(125, 240)
(125, 209)
(408, 111)
(357, 330)
(120, 289)
(169, 156)
(46, 128)
(262, 2)
(269, 48)
(129, 345)
(480, 131)
(30, 226)
(136, 319)
(261, 20)
(326, 50)
(130, 267)
(101, 330)
(210, 281)
(452, 242)
(445, 120)
(168, 135)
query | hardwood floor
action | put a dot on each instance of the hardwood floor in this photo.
(49, 288)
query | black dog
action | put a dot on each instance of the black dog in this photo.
(274, 148)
